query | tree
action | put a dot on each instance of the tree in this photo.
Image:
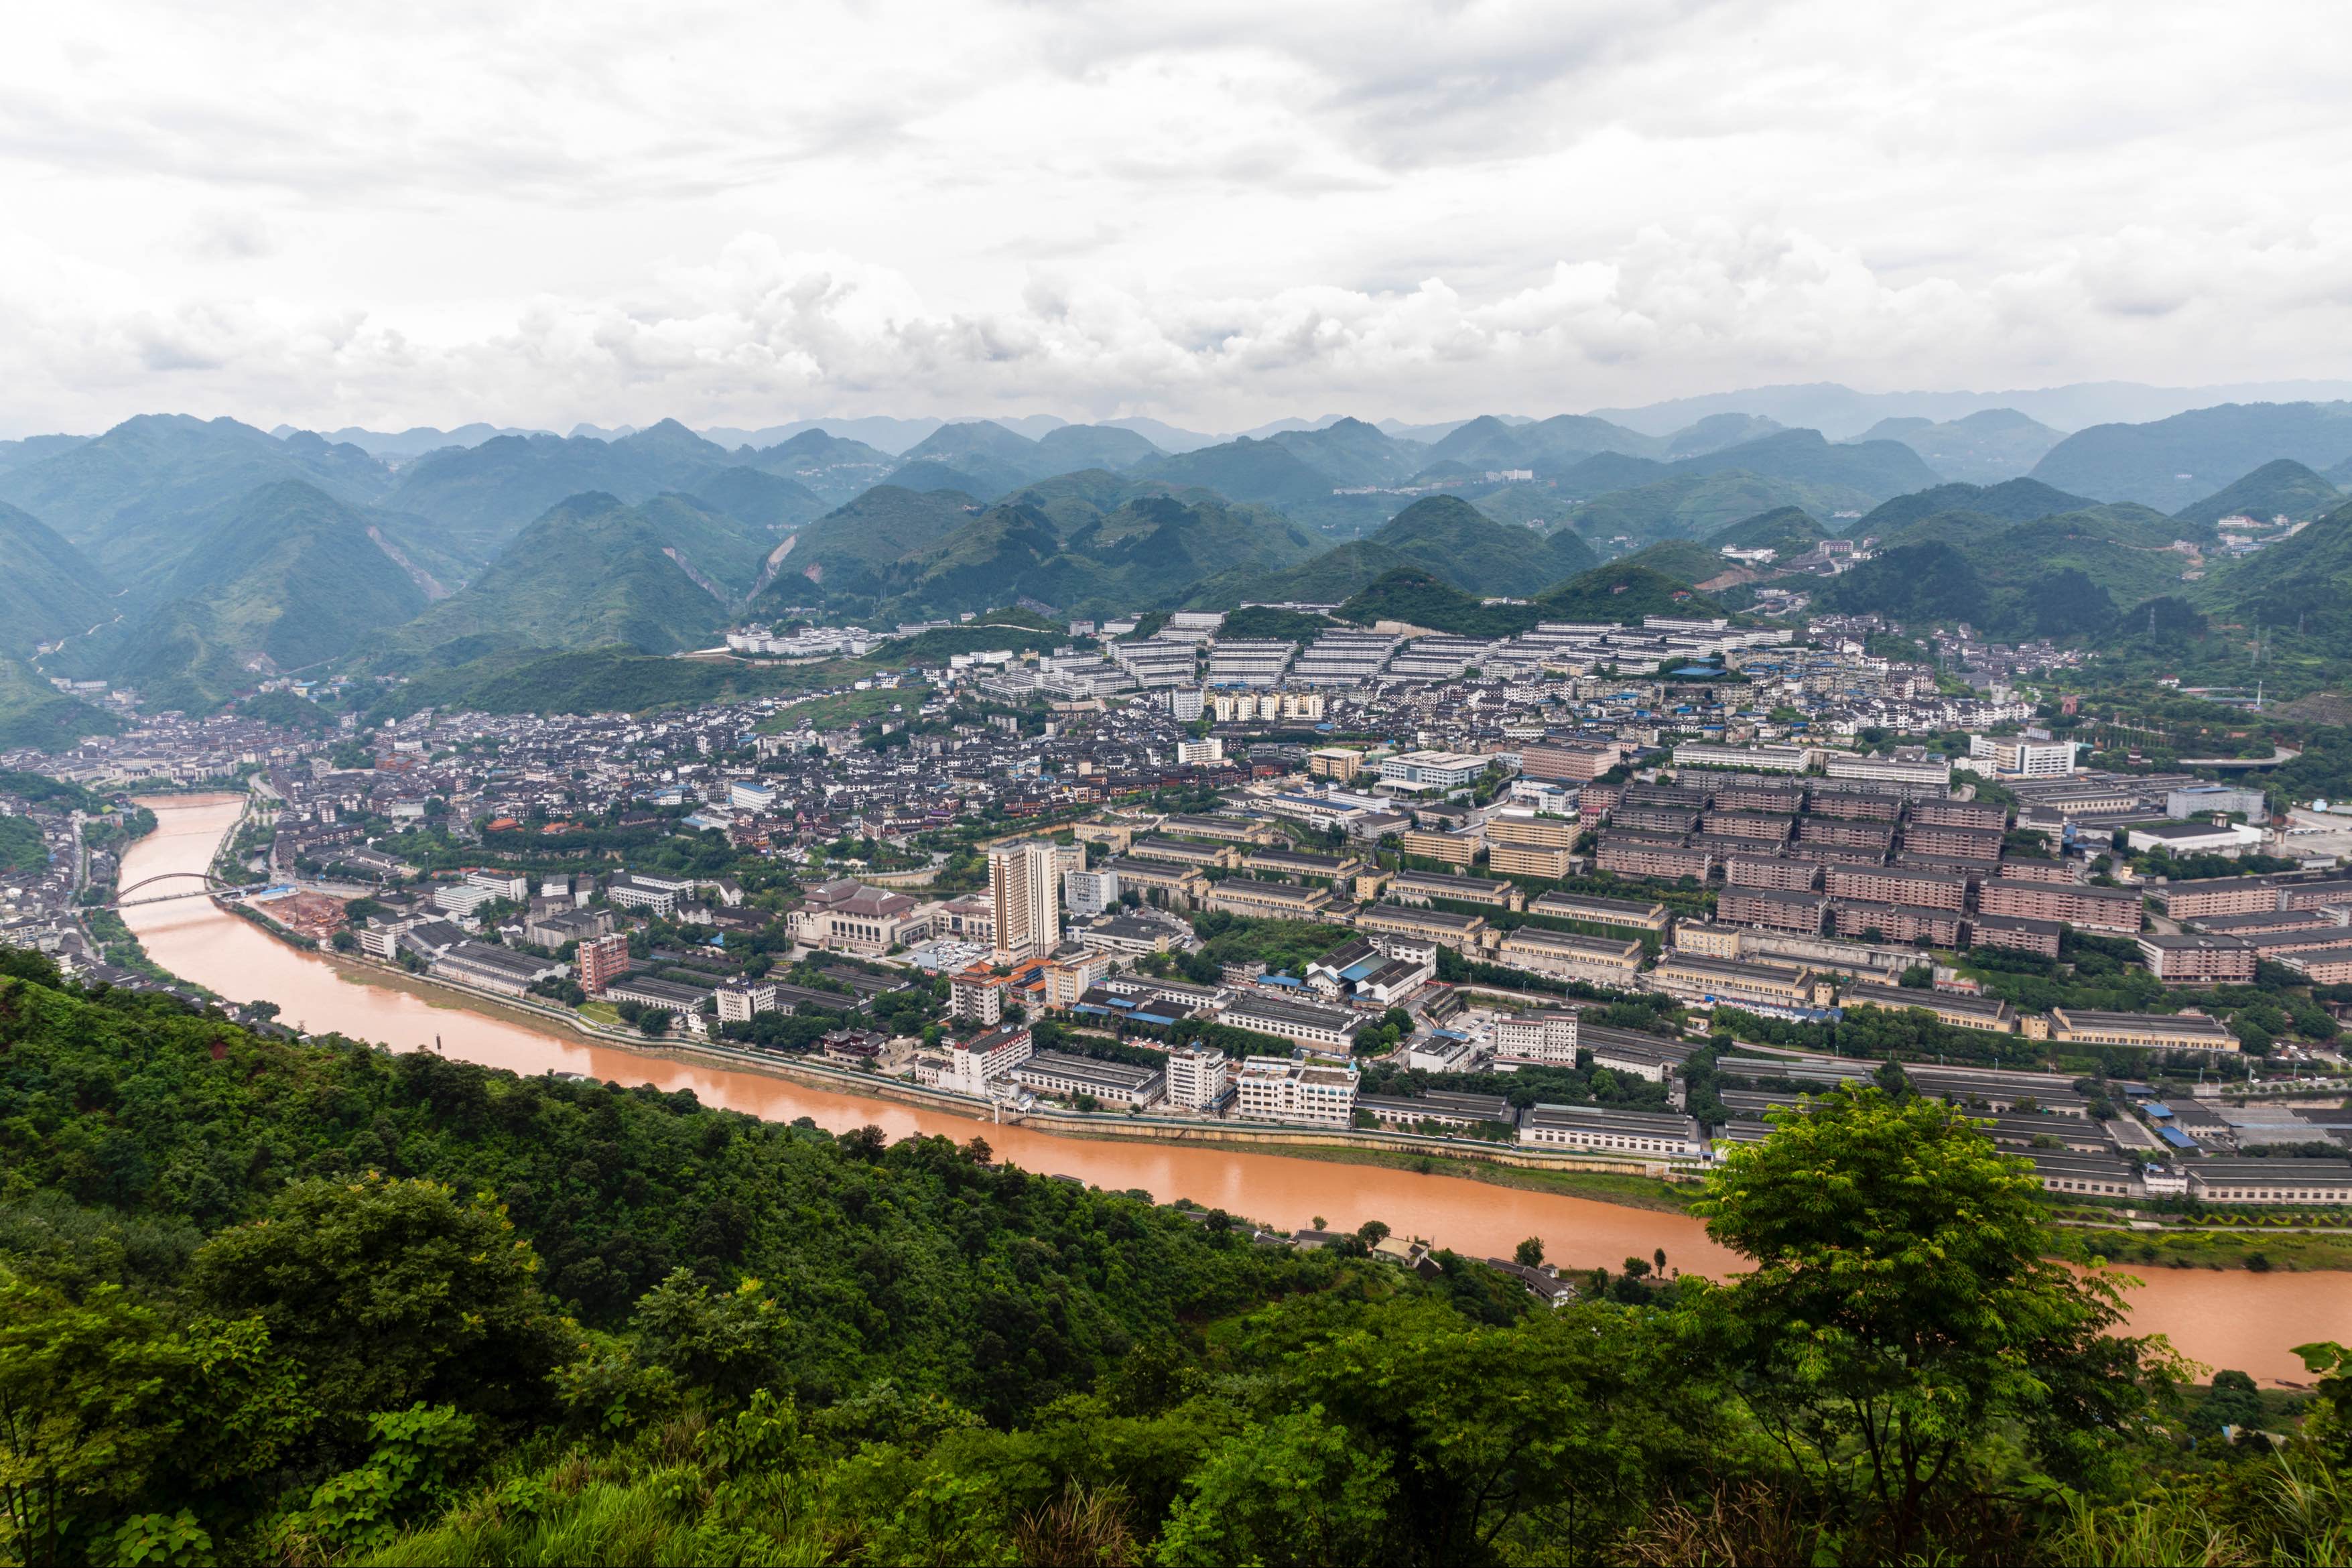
(1529, 1253)
(1372, 1231)
(1637, 1267)
(1293, 1490)
(391, 1292)
(1892, 1082)
(1901, 1310)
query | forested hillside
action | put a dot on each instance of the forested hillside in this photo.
(311, 1303)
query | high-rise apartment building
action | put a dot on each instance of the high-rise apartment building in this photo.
(1024, 890)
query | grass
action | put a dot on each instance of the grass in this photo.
(599, 1013)
(2219, 1247)
(845, 709)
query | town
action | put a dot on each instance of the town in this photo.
(1592, 892)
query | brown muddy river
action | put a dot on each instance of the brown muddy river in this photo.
(2223, 1319)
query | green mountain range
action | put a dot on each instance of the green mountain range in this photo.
(1880, 469)
(842, 556)
(133, 500)
(834, 469)
(2304, 582)
(1352, 452)
(2011, 500)
(1984, 448)
(1073, 448)
(1442, 535)
(1690, 505)
(49, 589)
(2282, 488)
(1086, 543)
(2170, 463)
(480, 498)
(2058, 576)
(665, 575)
(284, 578)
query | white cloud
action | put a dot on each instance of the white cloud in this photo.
(1214, 213)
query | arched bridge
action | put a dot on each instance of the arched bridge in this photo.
(206, 885)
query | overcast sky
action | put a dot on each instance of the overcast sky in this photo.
(1214, 213)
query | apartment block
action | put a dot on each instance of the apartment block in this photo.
(1770, 871)
(1521, 860)
(1420, 887)
(1312, 1092)
(1888, 885)
(1536, 1039)
(1435, 844)
(1905, 923)
(1587, 908)
(2198, 958)
(1268, 900)
(2151, 1031)
(1197, 1079)
(1464, 933)
(2093, 909)
(1970, 814)
(1772, 908)
(1960, 843)
(1649, 858)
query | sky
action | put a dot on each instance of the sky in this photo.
(1215, 212)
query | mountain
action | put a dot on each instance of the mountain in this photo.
(2304, 582)
(480, 498)
(1880, 469)
(1687, 505)
(1716, 431)
(34, 714)
(1791, 530)
(1983, 447)
(2282, 488)
(1683, 560)
(33, 449)
(1076, 447)
(1263, 473)
(767, 500)
(1350, 452)
(1547, 445)
(665, 575)
(842, 554)
(992, 480)
(1167, 438)
(1150, 550)
(833, 467)
(1332, 577)
(1604, 472)
(1450, 538)
(132, 500)
(413, 442)
(1841, 411)
(2011, 501)
(284, 578)
(2171, 463)
(1625, 593)
(49, 589)
(1615, 592)
(983, 450)
(2055, 576)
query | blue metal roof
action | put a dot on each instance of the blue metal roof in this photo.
(2176, 1137)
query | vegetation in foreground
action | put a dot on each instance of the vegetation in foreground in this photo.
(311, 1302)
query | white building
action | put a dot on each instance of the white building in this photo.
(1536, 1039)
(740, 1000)
(501, 884)
(1089, 892)
(1890, 769)
(1433, 770)
(1197, 1078)
(1025, 899)
(1113, 1083)
(973, 1065)
(2024, 757)
(1314, 1092)
(1194, 753)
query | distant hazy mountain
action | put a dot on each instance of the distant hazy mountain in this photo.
(662, 575)
(1073, 448)
(1694, 505)
(1716, 431)
(1615, 592)
(2169, 463)
(49, 589)
(480, 497)
(1839, 412)
(33, 449)
(1547, 445)
(1167, 438)
(1984, 448)
(1264, 472)
(833, 467)
(2283, 488)
(284, 578)
(413, 442)
(1350, 452)
(132, 499)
